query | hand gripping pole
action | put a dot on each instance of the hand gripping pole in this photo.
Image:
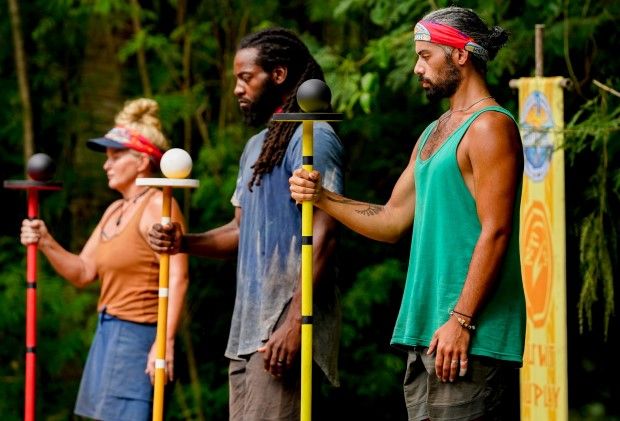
(171, 161)
(314, 94)
(40, 169)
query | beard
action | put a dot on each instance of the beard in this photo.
(260, 110)
(446, 85)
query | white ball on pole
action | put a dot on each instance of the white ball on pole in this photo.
(176, 163)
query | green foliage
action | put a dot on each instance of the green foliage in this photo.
(375, 288)
(12, 328)
(66, 322)
(375, 285)
(596, 128)
(386, 58)
(369, 311)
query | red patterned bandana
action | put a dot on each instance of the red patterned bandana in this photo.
(438, 33)
(131, 139)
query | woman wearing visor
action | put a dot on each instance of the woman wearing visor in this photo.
(117, 379)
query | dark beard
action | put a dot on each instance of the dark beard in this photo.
(446, 85)
(260, 111)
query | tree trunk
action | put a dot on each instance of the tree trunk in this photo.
(186, 47)
(22, 78)
(187, 145)
(100, 100)
(232, 30)
(142, 67)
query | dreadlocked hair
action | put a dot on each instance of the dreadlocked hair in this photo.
(280, 47)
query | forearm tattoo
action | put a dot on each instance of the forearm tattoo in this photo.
(369, 210)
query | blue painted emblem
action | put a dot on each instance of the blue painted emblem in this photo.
(536, 120)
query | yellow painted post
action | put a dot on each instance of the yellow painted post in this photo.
(162, 315)
(544, 377)
(175, 164)
(306, 281)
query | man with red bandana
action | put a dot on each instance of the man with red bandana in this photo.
(462, 317)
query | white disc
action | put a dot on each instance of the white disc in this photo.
(168, 182)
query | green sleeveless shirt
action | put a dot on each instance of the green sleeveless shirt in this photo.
(445, 231)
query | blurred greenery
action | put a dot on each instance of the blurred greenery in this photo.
(84, 58)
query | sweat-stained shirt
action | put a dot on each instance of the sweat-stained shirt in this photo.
(269, 255)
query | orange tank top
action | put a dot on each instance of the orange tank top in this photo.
(129, 273)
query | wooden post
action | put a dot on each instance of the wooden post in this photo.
(162, 315)
(164, 272)
(539, 31)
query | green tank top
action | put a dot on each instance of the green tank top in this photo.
(445, 231)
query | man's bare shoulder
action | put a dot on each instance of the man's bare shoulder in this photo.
(494, 129)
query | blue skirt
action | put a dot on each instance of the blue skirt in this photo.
(114, 385)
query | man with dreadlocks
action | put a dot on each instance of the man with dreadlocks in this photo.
(265, 333)
(462, 317)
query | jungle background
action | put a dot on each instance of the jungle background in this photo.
(67, 66)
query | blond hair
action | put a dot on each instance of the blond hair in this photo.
(142, 115)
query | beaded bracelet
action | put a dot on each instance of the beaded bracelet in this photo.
(462, 321)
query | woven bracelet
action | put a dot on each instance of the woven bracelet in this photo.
(462, 321)
(462, 314)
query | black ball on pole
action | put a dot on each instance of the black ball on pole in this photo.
(40, 167)
(314, 96)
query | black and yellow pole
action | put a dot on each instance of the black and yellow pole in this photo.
(176, 164)
(313, 96)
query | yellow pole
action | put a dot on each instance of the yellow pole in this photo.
(306, 282)
(162, 316)
(175, 164)
(312, 96)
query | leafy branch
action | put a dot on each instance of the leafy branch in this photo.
(598, 229)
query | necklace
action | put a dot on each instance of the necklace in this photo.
(133, 199)
(448, 114)
(460, 110)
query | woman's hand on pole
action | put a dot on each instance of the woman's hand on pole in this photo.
(33, 231)
(150, 362)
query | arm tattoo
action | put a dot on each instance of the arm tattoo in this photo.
(370, 209)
